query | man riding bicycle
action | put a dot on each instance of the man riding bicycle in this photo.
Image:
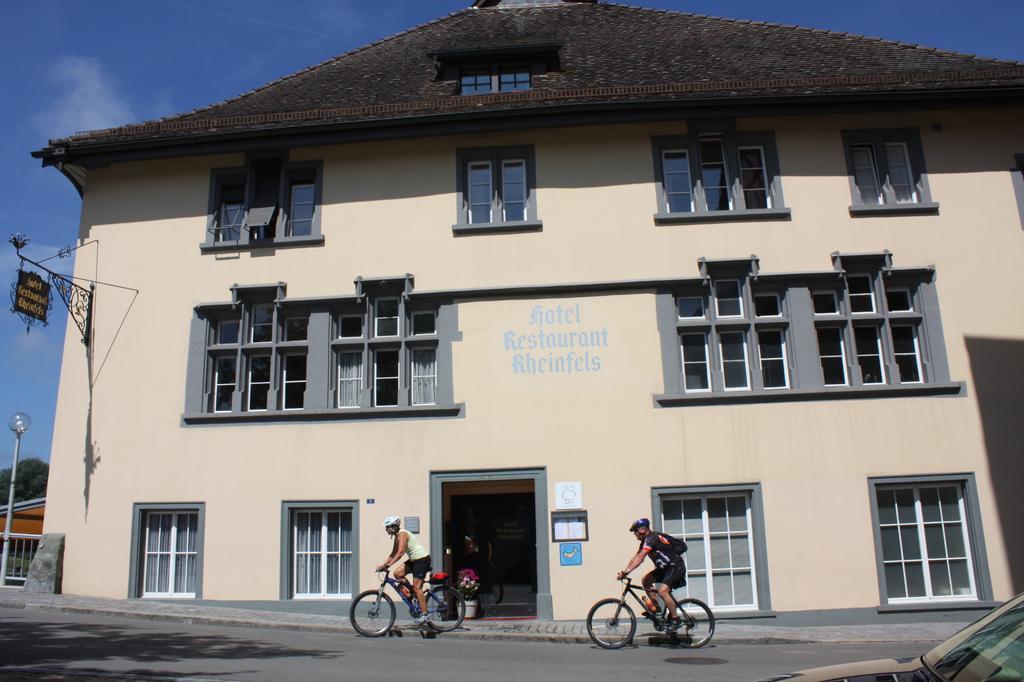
(418, 562)
(666, 552)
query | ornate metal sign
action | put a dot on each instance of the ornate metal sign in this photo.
(31, 296)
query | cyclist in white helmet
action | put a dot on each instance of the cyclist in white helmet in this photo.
(418, 562)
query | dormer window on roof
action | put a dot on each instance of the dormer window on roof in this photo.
(484, 71)
(477, 81)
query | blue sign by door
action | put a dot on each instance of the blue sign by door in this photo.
(570, 554)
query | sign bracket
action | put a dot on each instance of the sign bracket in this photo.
(77, 299)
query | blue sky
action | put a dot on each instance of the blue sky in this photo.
(67, 65)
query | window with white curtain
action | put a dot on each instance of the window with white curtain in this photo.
(887, 171)
(350, 378)
(322, 546)
(925, 542)
(170, 554)
(424, 376)
(717, 529)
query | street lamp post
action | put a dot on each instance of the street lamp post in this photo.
(19, 423)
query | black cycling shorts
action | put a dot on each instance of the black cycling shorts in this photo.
(418, 568)
(673, 575)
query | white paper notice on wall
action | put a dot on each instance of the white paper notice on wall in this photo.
(569, 495)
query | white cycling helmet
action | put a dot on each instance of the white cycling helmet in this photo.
(392, 521)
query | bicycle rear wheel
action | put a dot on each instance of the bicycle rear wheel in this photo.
(445, 608)
(372, 616)
(611, 624)
(698, 623)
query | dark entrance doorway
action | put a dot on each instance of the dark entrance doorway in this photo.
(490, 527)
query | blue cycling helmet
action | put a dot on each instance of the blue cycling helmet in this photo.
(640, 523)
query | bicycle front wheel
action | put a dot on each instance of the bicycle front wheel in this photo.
(698, 623)
(372, 614)
(611, 624)
(445, 608)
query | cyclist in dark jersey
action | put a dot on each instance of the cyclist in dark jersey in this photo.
(669, 568)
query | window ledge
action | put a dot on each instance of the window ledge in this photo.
(969, 605)
(487, 228)
(356, 413)
(281, 242)
(956, 388)
(723, 216)
(929, 208)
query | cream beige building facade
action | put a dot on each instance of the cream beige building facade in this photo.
(817, 385)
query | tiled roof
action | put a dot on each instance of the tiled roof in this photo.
(608, 54)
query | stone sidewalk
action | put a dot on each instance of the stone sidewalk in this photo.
(726, 631)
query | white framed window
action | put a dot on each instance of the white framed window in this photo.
(302, 206)
(322, 551)
(225, 375)
(350, 378)
(825, 302)
(230, 214)
(424, 376)
(714, 175)
(861, 294)
(869, 354)
(258, 388)
(350, 327)
(691, 307)
(925, 542)
(771, 344)
(906, 352)
(385, 321)
(170, 554)
(513, 190)
(832, 354)
(728, 298)
(677, 183)
(767, 305)
(899, 300)
(717, 528)
(385, 378)
(424, 323)
(733, 355)
(261, 327)
(900, 176)
(696, 377)
(294, 381)
(865, 174)
(754, 177)
(481, 192)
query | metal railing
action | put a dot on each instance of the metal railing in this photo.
(19, 557)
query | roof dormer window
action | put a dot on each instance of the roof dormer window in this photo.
(484, 81)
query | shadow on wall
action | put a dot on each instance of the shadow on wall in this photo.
(999, 382)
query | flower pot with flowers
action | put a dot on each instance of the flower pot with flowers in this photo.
(468, 585)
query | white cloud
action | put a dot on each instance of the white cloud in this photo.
(87, 98)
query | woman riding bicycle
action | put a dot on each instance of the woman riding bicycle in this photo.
(418, 562)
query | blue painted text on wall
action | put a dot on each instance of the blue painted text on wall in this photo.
(557, 343)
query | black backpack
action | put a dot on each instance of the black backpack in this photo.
(678, 546)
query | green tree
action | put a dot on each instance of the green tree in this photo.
(31, 483)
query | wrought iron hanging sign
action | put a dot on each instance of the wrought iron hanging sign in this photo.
(30, 295)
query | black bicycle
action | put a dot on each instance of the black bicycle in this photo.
(373, 612)
(611, 622)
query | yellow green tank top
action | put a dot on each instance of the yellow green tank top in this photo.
(413, 547)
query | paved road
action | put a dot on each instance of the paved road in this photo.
(81, 648)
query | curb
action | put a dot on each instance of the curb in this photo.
(652, 639)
